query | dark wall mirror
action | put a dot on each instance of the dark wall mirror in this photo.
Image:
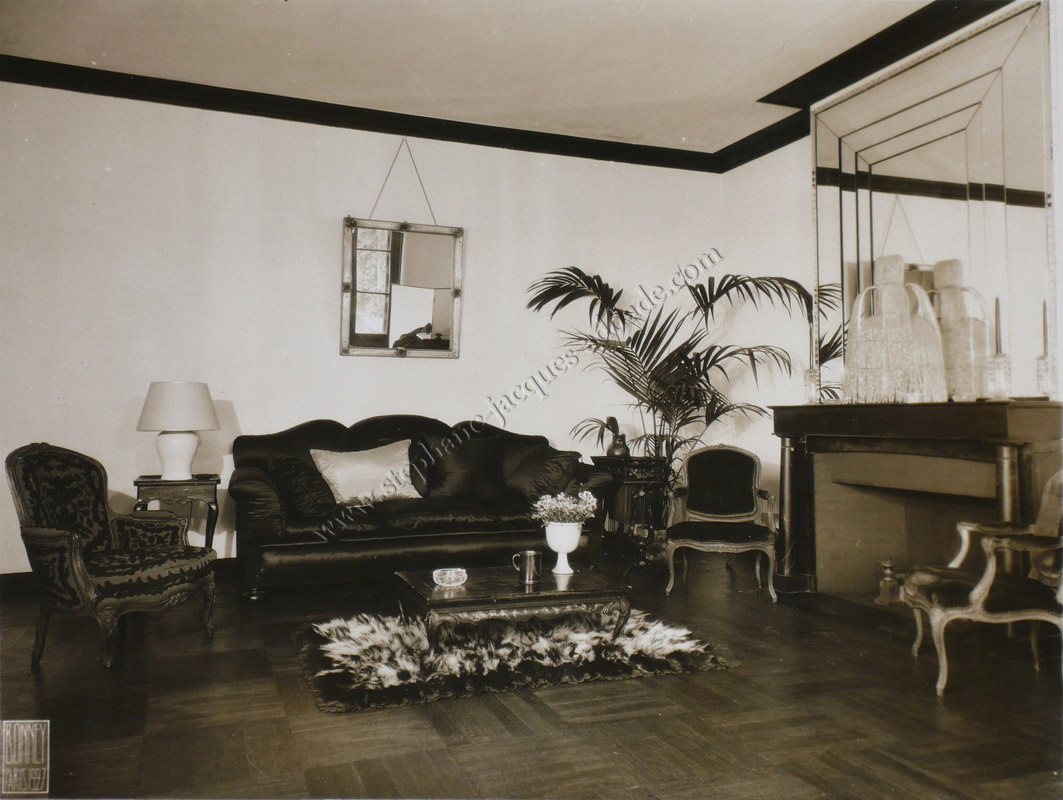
(947, 155)
(401, 289)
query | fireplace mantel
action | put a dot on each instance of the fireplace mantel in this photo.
(1000, 452)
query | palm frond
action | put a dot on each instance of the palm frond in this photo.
(830, 391)
(776, 290)
(830, 298)
(565, 286)
(717, 357)
(833, 346)
(592, 426)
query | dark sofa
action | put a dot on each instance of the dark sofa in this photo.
(476, 482)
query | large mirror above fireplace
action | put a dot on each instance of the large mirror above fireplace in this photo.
(942, 160)
(946, 156)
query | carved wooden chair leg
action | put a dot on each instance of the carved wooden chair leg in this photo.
(110, 638)
(671, 568)
(208, 609)
(1035, 629)
(770, 553)
(937, 631)
(918, 631)
(756, 570)
(684, 554)
(38, 642)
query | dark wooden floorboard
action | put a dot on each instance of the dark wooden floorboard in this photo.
(827, 702)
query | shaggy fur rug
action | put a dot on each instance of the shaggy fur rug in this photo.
(379, 662)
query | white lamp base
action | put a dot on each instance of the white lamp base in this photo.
(176, 450)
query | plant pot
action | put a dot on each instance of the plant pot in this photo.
(562, 538)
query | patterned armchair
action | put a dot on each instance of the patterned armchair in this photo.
(991, 594)
(89, 560)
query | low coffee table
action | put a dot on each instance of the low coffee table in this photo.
(497, 593)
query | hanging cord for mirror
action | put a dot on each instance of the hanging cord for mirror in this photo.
(908, 223)
(416, 172)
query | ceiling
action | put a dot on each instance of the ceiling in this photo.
(686, 75)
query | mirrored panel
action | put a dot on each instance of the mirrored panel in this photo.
(946, 158)
(401, 289)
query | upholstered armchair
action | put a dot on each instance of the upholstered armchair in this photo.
(89, 560)
(726, 511)
(1027, 588)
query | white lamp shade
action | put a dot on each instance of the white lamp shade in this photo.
(178, 406)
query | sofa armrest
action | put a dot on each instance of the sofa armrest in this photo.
(590, 478)
(258, 506)
(596, 480)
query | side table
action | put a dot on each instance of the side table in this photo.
(200, 488)
(637, 505)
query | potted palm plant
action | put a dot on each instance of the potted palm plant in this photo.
(669, 360)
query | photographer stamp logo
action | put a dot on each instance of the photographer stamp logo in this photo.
(25, 756)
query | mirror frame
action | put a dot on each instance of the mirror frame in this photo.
(818, 221)
(350, 233)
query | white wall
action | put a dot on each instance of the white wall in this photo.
(143, 242)
(767, 206)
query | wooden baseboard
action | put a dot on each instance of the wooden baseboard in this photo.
(793, 584)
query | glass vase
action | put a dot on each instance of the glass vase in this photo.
(894, 353)
(962, 320)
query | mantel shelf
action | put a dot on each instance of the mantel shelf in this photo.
(1000, 422)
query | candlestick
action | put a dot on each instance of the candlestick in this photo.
(1044, 328)
(996, 324)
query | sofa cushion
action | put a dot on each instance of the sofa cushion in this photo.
(469, 471)
(543, 471)
(435, 515)
(343, 523)
(425, 453)
(362, 477)
(302, 488)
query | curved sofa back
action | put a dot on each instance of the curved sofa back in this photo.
(326, 434)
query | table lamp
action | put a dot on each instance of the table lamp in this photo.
(177, 410)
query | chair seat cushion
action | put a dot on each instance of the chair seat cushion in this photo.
(948, 588)
(126, 574)
(731, 533)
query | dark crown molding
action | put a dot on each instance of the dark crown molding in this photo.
(923, 27)
(49, 74)
(919, 29)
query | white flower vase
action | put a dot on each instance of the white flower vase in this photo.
(562, 538)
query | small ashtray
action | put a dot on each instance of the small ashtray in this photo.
(454, 576)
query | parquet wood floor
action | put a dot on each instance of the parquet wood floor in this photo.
(827, 703)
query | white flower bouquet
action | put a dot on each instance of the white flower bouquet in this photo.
(565, 508)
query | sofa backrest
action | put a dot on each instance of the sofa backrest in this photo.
(470, 459)
(379, 431)
(320, 434)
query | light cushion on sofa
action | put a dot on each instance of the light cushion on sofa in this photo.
(362, 477)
